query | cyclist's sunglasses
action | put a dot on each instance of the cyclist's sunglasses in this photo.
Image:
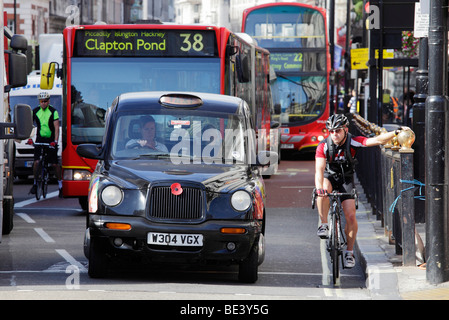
(335, 130)
(45, 100)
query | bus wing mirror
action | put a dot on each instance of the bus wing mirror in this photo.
(89, 150)
(18, 73)
(19, 42)
(47, 75)
(243, 72)
(21, 128)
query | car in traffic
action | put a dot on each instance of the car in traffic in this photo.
(178, 180)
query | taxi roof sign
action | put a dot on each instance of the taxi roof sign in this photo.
(180, 101)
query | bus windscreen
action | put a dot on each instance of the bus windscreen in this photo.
(97, 81)
(287, 27)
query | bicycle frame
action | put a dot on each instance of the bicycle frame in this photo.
(336, 240)
(42, 171)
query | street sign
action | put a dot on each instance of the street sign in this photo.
(421, 22)
(359, 58)
(387, 54)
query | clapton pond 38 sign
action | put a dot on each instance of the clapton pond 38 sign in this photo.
(144, 42)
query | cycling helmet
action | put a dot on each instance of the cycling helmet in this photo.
(336, 121)
(43, 95)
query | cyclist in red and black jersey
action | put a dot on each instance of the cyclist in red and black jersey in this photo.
(334, 170)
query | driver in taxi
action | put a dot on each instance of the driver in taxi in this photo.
(148, 140)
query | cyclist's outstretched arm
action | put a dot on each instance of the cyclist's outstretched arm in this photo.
(382, 138)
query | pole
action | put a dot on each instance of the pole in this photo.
(380, 101)
(2, 108)
(347, 56)
(419, 118)
(436, 131)
(332, 49)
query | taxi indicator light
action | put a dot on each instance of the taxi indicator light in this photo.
(176, 189)
(118, 226)
(233, 230)
(180, 101)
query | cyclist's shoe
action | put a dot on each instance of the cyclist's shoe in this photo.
(33, 189)
(323, 231)
(349, 260)
(60, 193)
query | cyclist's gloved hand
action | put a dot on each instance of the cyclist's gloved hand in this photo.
(53, 144)
(321, 192)
(30, 142)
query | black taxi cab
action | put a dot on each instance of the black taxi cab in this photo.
(178, 179)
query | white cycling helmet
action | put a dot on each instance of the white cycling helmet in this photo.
(43, 95)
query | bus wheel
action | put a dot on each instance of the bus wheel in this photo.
(8, 215)
(83, 202)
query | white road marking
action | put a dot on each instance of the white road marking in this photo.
(67, 257)
(26, 217)
(44, 235)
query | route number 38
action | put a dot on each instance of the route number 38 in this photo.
(197, 43)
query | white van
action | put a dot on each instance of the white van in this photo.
(23, 166)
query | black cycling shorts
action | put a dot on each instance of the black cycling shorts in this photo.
(345, 186)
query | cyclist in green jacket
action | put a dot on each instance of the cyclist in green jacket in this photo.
(46, 119)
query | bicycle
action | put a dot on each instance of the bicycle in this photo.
(43, 170)
(336, 240)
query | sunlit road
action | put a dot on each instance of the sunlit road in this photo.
(43, 256)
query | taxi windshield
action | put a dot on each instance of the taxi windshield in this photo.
(180, 136)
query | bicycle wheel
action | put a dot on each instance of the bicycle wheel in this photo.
(334, 252)
(44, 183)
(39, 181)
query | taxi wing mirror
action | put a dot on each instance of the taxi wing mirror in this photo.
(267, 158)
(90, 151)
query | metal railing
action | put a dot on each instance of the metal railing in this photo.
(386, 175)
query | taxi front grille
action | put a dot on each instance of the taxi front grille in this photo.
(166, 206)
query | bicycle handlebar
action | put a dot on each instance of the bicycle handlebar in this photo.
(335, 194)
(43, 144)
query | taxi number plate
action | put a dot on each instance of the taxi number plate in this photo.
(287, 146)
(175, 239)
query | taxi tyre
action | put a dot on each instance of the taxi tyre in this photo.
(98, 259)
(249, 267)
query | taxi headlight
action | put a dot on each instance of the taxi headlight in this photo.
(111, 196)
(241, 200)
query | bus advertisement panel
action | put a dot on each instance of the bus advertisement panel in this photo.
(102, 61)
(296, 36)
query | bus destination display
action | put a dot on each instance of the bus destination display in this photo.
(286, 61)
(144, 42)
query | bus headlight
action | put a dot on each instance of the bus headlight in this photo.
(111, 196)
(77, 175)
(241, 200)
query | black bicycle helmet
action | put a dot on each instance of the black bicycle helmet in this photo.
(337, 121)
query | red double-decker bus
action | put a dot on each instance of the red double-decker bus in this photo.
(296, 36)
(102, 61)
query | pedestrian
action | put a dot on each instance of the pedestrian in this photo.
(352, 105)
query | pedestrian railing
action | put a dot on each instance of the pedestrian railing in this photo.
(386, 175)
